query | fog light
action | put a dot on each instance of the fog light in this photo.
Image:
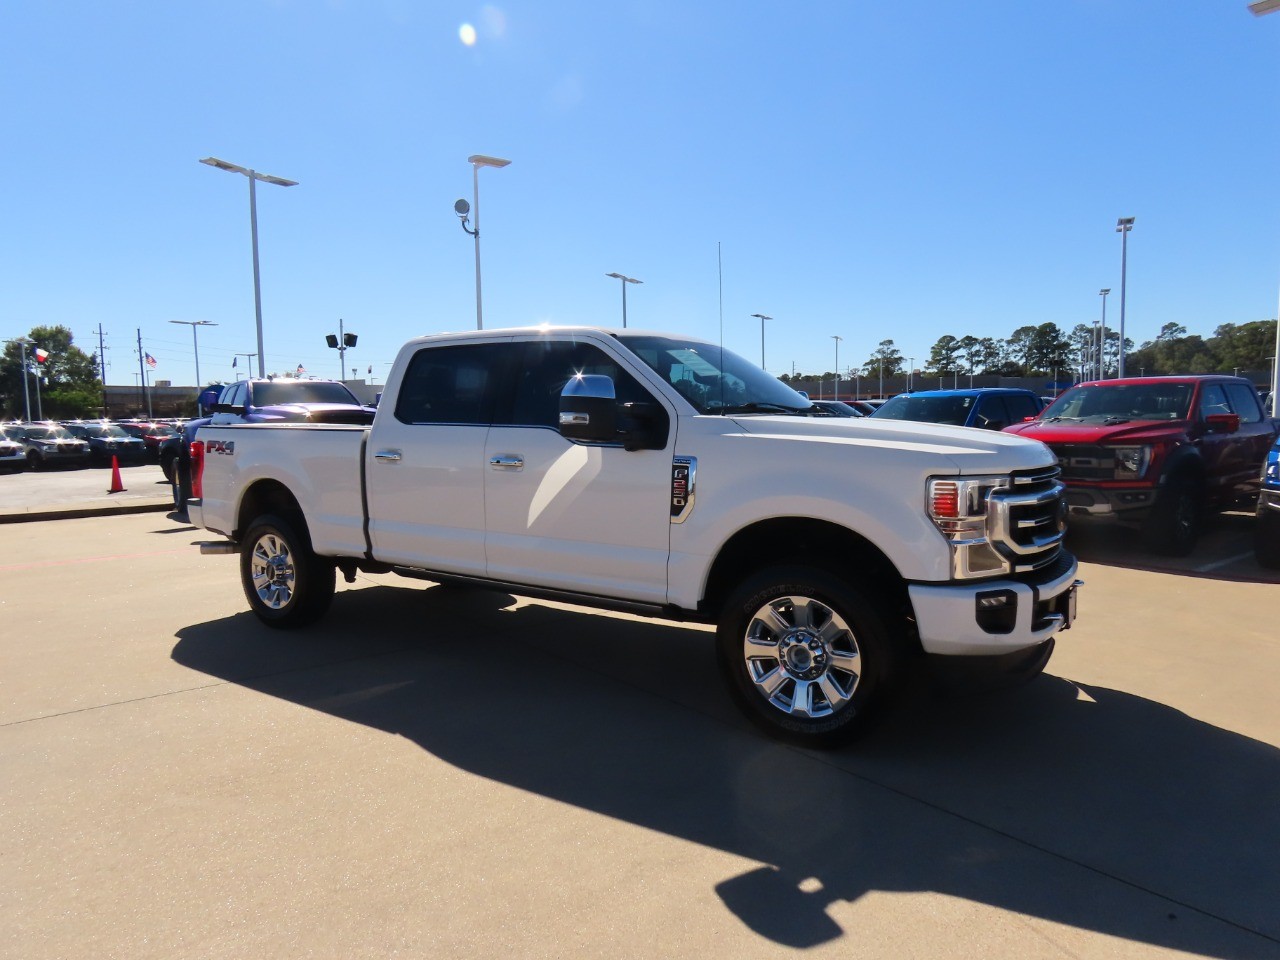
(996, 611)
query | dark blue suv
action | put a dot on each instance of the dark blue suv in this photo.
(1266, 543)
(989, 408)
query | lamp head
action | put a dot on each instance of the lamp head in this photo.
(462, 209)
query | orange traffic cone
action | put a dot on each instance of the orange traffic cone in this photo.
(116, 485)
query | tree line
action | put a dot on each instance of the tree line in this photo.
(1046, 350)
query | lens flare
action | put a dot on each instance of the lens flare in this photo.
(467, 34)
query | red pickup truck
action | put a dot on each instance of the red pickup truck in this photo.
(1157, 452)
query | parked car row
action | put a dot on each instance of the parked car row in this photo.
(77, 443)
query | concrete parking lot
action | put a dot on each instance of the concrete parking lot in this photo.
(441, 773)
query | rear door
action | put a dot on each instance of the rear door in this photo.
(424, 467)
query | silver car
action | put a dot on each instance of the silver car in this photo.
(13, 455)
(48, 444)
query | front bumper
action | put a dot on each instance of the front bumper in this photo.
(1269, 499)
(1110, 503)
(994, 617)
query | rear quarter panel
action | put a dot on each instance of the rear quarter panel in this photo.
(319, 465)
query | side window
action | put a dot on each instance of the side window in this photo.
(547, 366)
(1213, 400)
(235, 395)
(1244, 401)
(1021, 406)
(991, 414)
(451, 384)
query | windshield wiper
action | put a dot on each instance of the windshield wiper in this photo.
(760, 407)
(1061, 417)
(1113, 420)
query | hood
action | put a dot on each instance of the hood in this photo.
(314, 413)
(1069, 432)
(972, 450)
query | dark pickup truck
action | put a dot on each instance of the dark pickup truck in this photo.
(1157, 452)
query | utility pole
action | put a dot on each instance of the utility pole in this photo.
(142, 371)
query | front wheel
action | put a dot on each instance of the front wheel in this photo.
(286, 584)
(1173, 525)
(806, 656)
(1266, 537)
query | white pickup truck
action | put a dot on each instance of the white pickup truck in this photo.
(664, 476)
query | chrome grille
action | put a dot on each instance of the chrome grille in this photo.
(1027, 520)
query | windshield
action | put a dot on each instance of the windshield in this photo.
(301, 391)
(953, 409)
(98, 430)
(713, 379)
(49, 433)
(1121, 402)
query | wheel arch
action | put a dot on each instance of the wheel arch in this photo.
(270, 497)
(812, 542)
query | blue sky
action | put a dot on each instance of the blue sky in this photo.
(868, 169)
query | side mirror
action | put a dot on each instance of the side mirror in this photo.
(588, 409)
(1223, 422)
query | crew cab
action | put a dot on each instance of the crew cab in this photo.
(664, 476)
(1156, 452)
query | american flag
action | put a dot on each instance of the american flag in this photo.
(151, 361)
(301, 369)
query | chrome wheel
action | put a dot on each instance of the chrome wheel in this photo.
(802, 656)
(271, 567)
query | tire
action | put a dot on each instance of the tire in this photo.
(806, 655)
(286, 584)
(34, 461)
(1173, 525)
(166, 465)
(1266, 538)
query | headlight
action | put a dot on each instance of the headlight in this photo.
(1272, 469)
(959, 507)
(1132, 462)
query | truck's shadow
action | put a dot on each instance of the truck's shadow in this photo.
(1032, 801)
(1224, 551)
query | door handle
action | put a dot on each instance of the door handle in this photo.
(387, 456)
(507, 461)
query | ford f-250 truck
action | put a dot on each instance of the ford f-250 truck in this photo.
(665, 476)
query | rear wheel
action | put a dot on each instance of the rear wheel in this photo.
(806, 655)
(1266, 537)
(1173, 525)
(34, 461)
(286, 584)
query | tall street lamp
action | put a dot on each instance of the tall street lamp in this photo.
(1260, 7)
(340, 343)
(911, 369)
(1123, 226)
(462, 209)
(23, 343)
(835, 395)
(763, 318)
(195, 345)
(254, 177)
(1102, 335)
(625, 281)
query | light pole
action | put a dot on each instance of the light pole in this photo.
(1260, 7)
(247, 356)
(1102, 334)
(763, 318)
(195, 345)
(625, 281)
(836, 393)
(462, 209)
(254, 177)
(1123, 226)
(911, 369)
(340, 343)
(23, 343)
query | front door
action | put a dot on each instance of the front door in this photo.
(588, 518)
